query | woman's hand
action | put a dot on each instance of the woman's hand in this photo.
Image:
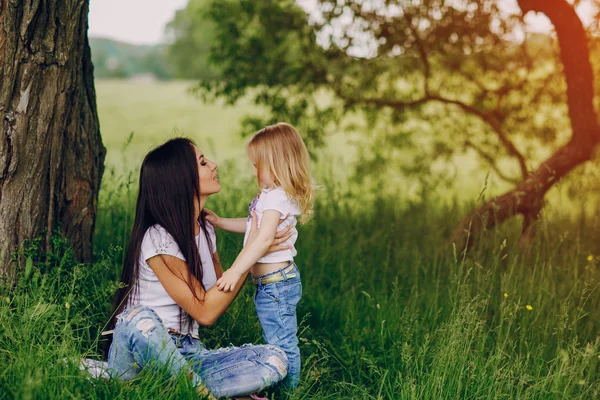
(212, 217)
(280, 236)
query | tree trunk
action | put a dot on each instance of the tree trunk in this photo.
(51, 152)
(527, 199)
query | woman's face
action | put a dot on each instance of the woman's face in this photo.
(207, 175)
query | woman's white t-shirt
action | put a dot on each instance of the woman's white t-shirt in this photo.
(278, 200)
(151, 292)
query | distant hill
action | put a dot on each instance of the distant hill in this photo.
(115, 59)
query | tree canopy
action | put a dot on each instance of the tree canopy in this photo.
(191, 35)
(469, 70)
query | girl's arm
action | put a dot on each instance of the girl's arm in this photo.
(280, 237)
(236, 225)
(252, 252)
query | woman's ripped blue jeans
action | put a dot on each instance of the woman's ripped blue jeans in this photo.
(141, 340)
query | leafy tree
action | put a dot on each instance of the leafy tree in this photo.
(191, 36)
(51, 152)
(465, 69)
(115, 59)
(156, 63)
(107, 62)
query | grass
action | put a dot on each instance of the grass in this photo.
(390, 310)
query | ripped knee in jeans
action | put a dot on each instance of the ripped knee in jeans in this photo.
(278, 360)
(279, 365)
(131, 313)
(146, 326)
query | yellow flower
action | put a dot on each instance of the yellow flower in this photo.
(505, 295)
(67, 306)
(590, 258)
(529, 307)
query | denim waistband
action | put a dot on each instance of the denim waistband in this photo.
(283, 272)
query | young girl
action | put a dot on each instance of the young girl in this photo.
(281, 164)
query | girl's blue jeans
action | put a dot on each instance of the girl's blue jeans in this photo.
(276, 308)
(141, 340)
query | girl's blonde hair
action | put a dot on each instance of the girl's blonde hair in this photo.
(280, 148)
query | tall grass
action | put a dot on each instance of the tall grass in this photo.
(390, 310)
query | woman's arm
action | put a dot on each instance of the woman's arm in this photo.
(218, 266)
(252, 252)
(206, 306)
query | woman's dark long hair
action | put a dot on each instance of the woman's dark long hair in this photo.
(168, 189)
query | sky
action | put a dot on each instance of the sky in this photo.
(132, 21)
(144, 21)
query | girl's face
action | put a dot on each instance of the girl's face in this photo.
(207, 175)
(264, 176)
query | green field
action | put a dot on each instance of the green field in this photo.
(156, 111)
(159, 110)
(390, 310)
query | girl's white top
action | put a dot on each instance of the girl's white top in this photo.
(278, 200)
(151, 292)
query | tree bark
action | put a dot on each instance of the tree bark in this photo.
(527, 198)
(51, 152)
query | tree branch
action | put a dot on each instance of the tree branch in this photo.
(399, 104)
(422, 55)
(574, 54)
(473, 80)
(527, 198)
(492, 163)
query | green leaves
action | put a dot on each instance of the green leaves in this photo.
(28, 267)
(462, 62)
(191, 31)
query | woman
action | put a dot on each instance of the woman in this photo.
(171, 267)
